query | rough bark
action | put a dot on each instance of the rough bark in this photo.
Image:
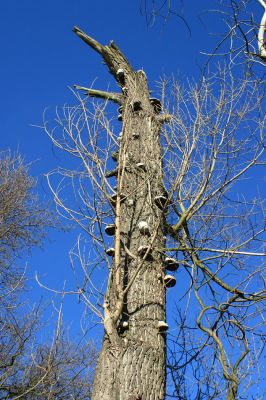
(131, 365)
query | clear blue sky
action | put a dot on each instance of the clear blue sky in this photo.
(41, 57)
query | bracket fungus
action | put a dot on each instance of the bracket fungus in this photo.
(136, 105)
(162, 326)
(140, 71)
(120, 111)
(169, 281)
(113, 198)
(141, 166)
(135, 135)
(110, 251)
(124, 324)
(171, 264)
(142, 250)
(144, 227)
(110, 230)
(120, 73)
(157, 105)
(160, 201)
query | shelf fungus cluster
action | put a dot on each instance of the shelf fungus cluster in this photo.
(134, 306)
(160, 201)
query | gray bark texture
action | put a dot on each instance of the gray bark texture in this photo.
(131, 364)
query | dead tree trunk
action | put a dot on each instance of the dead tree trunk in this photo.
(131, 365)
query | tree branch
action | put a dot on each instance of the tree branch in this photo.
(87, 39)
(115, 97)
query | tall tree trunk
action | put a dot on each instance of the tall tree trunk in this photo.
(131, 365)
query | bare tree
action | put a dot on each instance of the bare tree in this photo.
(32, 364)
(212, 150)
(242, 39)
(23, 220)
(180, 204)
(38, 366)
